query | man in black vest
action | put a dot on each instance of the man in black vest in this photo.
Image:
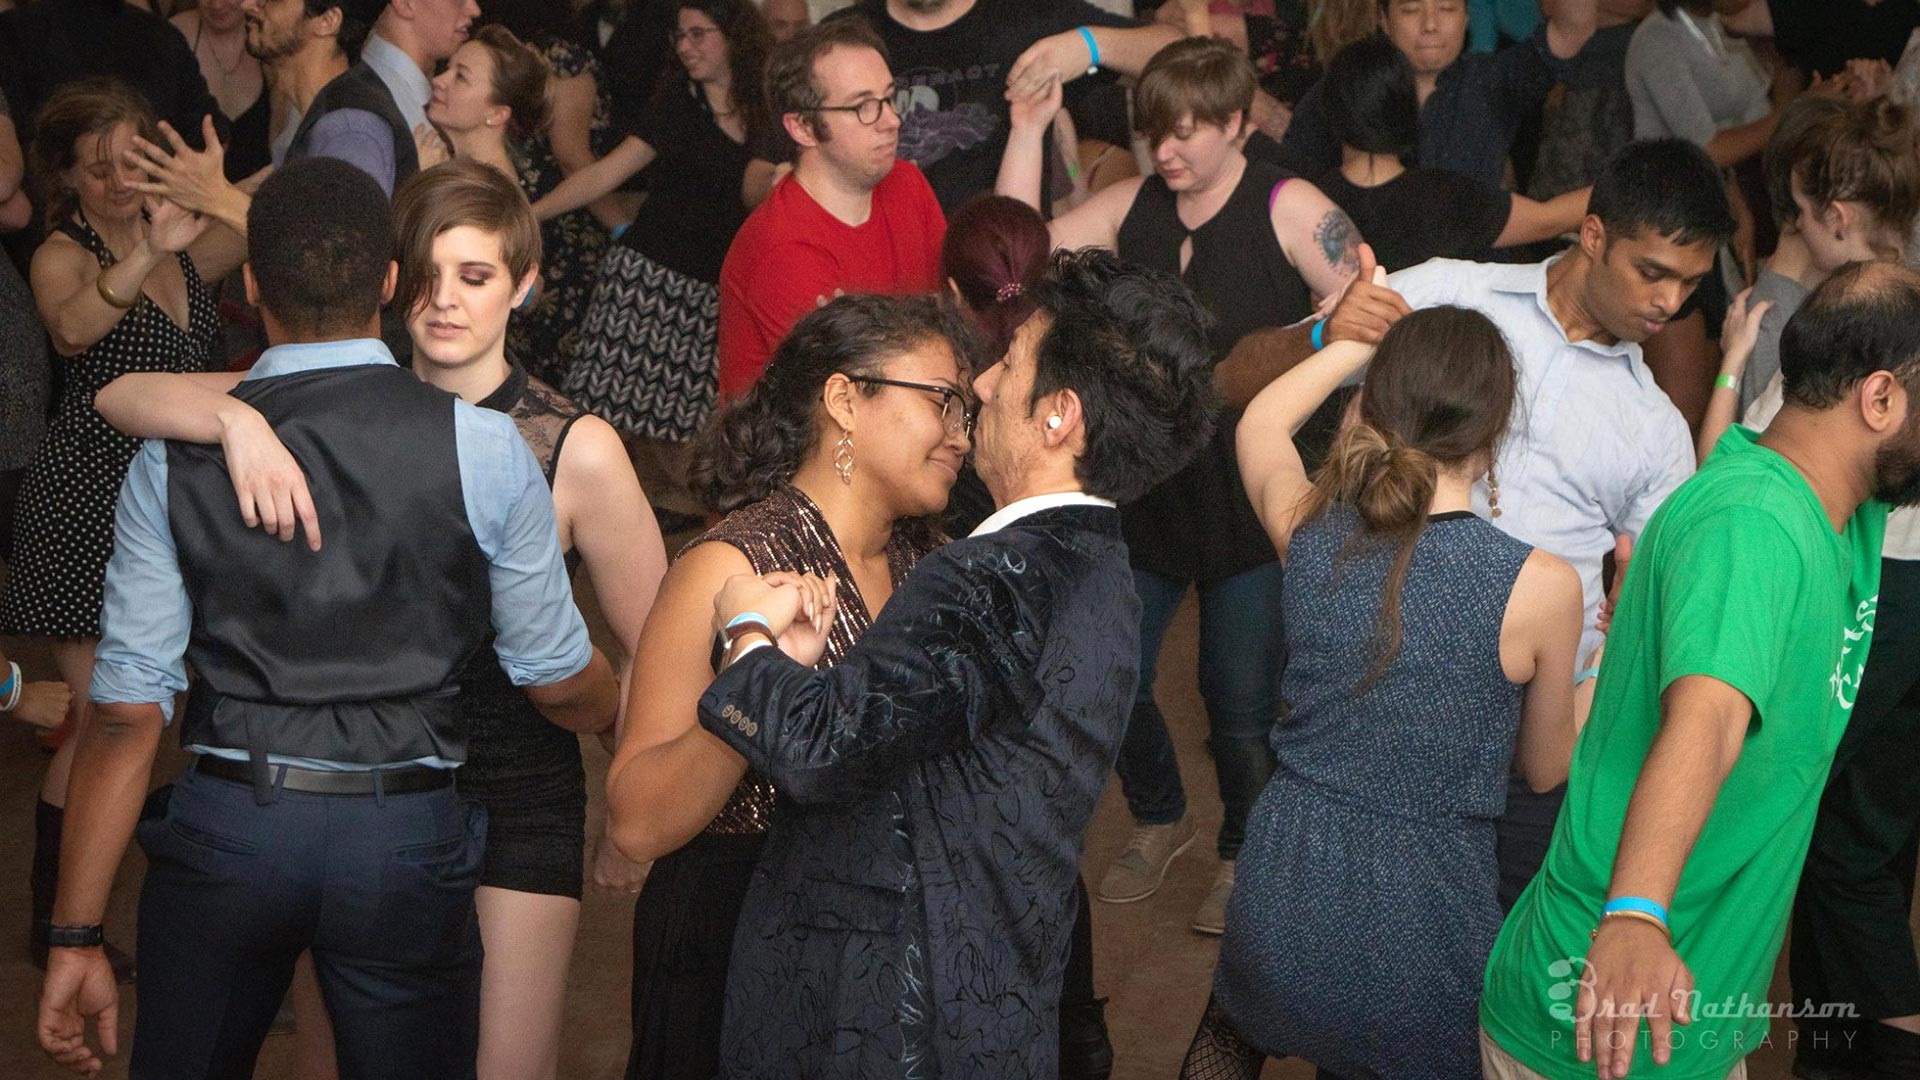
(319, 811)
(359, 118)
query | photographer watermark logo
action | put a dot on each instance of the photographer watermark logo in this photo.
(1569, 975)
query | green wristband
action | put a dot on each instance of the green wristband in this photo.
(1726, 382)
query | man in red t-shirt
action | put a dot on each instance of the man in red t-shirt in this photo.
(850, 219)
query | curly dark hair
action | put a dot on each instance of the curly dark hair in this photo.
(760, 441)
(320, 236)
(1131, 343)
(749, 42)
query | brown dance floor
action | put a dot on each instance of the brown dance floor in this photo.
(1153, 968)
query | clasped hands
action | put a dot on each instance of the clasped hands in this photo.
(799, 608)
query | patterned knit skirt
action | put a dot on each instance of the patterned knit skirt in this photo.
(648, 353)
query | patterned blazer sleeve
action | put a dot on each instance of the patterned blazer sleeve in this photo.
(952, 655)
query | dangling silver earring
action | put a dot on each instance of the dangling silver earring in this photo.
(1493, 493)
(843, 458)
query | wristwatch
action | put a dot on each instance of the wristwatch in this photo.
(76, 937)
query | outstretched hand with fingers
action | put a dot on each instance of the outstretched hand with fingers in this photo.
(194, 179)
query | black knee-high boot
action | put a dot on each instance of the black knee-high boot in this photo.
(48, 821)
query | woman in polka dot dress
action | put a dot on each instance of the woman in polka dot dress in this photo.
(119, 292)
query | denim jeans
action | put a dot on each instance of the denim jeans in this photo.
(1242, 654)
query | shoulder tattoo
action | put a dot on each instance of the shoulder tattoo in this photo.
(1339, 241)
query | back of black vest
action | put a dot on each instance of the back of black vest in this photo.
(350, 653)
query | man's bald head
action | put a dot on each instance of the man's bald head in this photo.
(1863, 319)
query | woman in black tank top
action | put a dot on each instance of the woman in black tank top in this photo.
(1258, 248)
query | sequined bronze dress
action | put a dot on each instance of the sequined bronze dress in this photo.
(683, 922)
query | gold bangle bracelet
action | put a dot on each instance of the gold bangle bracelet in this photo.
(107, 294)
(1641, 916)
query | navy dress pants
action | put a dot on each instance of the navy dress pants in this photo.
(380, 887)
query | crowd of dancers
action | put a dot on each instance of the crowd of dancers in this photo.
(1525, 390)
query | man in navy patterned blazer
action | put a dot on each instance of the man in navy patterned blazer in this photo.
(911, 912)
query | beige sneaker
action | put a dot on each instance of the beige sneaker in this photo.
(1137, 873)
(1211, 917)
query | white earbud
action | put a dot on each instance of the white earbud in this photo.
(1053, 422)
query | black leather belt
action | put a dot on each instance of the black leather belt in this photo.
(394, 780)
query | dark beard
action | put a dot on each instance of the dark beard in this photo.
(1896, 468)
(267, 54)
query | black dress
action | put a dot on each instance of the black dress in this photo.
(1198, 525)
(63, 533)
(683, 923)
(648, 357)
(523, 768)
(250, 148)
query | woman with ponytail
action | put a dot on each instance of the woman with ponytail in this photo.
(1426, 652)
(828, 466)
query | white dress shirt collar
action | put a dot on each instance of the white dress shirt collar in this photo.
(1014, 511)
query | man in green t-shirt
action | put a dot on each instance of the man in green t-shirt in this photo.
(1732, 663)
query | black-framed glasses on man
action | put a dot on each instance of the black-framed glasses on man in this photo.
(868, 111)
(956, 413)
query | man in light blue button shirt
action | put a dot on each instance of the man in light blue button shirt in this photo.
(1594, 445)
(319, 811)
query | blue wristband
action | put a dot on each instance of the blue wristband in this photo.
(1093, 51)
(1635, 903)
(13, 675)
(1319, 335)
(748, 616)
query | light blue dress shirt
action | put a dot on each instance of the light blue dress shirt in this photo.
(409, 85)
(1594, 445)
(146, 618)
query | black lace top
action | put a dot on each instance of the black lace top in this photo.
(504, 728)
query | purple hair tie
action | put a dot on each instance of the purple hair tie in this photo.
(1007, 292)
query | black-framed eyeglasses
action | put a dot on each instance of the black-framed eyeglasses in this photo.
(956, 412)
(868, 111)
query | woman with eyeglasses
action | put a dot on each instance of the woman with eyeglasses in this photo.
(646, 350)
(829, 466)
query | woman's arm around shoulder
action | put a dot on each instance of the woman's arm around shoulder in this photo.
(1539, 637)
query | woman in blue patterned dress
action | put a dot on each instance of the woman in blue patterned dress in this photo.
(1427, 650)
